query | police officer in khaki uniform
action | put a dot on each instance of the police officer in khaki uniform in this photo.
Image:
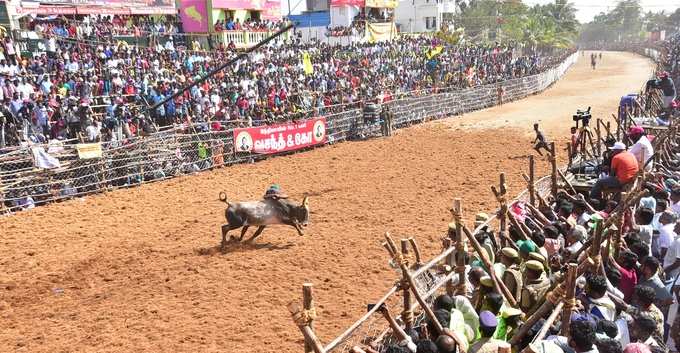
(535, 288)
(512, 277)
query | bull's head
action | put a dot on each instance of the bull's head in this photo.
(302, 213)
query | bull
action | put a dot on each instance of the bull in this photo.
(262, 214)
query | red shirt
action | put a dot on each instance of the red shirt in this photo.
(628, 283)
(625, 166)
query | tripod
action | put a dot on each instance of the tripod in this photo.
(585, 140)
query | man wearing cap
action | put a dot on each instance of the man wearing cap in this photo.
(536, 286)
(623, 170)
(667, 87)
(487, 327)
(642, 149)
(512, 277)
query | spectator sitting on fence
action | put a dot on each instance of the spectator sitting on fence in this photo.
(623, 170)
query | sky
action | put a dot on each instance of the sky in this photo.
(586, 9)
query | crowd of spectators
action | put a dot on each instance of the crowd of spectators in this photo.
(625, 288)
(86, 85)
(91, 27)
(248, 25)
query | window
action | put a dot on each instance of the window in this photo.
(430, 22)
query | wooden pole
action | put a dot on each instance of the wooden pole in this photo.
(569, 299)
(598, 132)
(548, 322)
(406, 314)
(423, 304)
(460, 246)
(302, 323)
(567, 182)
(502, 217)
(553, 175)
(451, 264)
(416, 251)
(308, 304)
(532, 179)
(499, 285)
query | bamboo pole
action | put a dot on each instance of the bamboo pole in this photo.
(567, 182)
(499, 285)
(460, 246)
(532, 179)
(548, 322)
(502, 216)
(553, 174)
(308, 304)
(451, 265)
(426, 308)
(300, 320)
(569, 299)
(406, 314)
(416, 251)
(598, 131)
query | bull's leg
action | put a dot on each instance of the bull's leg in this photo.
(225, 229)
(298, 228)
(243, 232)
(257, 233)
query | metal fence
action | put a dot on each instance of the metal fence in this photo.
(175, 152)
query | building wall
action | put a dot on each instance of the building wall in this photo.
(343, 15)
(422, 15)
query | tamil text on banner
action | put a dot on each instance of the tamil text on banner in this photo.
(194, 15)
(280, 137)
(390, 4)
(380, 32)
(359, 3)
(89, 150)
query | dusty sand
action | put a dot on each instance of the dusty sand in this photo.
(138, 270)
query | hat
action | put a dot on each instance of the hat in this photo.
(487, 319)
(508, 311)
(535, 265)
(527, 246)
(510, 253)
(636, 130)
(618, 146)
(537, 256)
(486, 281)
(480, 218)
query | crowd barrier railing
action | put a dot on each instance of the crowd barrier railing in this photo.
(187, 150)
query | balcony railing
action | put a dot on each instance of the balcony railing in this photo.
(246, 39)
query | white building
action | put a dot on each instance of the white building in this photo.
(424, 15)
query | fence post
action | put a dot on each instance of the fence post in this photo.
(532, 185)
(569, 301)
(460, 246)
(308, 304)
(407, 314)
(598, 131)
(553, 174)
(502, 217)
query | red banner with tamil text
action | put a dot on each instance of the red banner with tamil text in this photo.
(280, 137)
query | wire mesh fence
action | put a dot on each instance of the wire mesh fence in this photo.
(185, 150)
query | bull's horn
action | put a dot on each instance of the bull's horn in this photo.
(223, 196)
(305, 201)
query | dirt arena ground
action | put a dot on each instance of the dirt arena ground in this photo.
(138, 270)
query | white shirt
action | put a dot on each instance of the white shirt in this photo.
(672, 255)
(666, 235)
(646, 232)
(643, 151)
(676, 208)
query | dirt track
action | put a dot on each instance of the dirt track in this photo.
(138, 270)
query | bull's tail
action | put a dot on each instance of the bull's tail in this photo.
(223, 197)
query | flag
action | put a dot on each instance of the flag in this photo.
(434, 52)
(307, 63)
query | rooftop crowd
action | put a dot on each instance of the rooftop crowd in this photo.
(625, 289)
(88, 84)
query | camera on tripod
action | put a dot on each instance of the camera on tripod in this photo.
(582, 115)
